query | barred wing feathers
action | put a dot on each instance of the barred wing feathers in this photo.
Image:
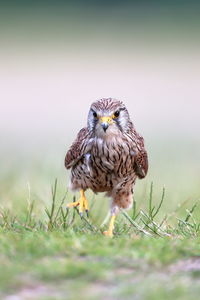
(77, 149)
(141, 159)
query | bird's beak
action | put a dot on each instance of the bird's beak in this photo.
(105, 122)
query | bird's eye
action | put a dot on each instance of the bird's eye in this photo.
(116, 114)
(94, 114)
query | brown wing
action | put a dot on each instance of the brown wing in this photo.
(141, 158)
(77, 149)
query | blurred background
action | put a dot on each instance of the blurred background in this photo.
(57, 57)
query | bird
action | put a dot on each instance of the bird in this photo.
(108, 155)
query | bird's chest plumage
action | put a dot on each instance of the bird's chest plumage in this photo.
(112, 157)
(107, 164)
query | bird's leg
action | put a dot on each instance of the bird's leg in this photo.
(82, 203)
(109, 232)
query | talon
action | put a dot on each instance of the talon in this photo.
(73, 204)
(108, 233)
(82, 203)
(87, 213)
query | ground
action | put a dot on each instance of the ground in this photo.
(61, 265)
(58, 255)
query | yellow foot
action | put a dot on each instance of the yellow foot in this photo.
(109, 232)
(82, 203)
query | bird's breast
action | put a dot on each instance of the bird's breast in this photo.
(111, 156)
(106, 164)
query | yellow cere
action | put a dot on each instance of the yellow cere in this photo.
(108, 120)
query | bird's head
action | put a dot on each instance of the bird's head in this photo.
(108, 116)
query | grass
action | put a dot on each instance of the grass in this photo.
(138, 221)
(52, 253)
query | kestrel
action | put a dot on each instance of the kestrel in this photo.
(107, 156)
